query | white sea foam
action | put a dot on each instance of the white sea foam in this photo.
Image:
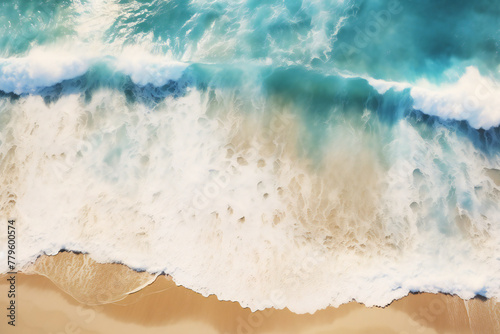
(474, 98)
(44, 67)
(383, 86)
(145, 68)
(40, 68)
(208, 199)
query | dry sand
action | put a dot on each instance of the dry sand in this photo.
(45, 306)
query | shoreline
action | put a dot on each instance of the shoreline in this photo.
(71, 253)
(161, 306)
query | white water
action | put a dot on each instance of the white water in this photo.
(227, 212)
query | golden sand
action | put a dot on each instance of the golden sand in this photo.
(44, 306)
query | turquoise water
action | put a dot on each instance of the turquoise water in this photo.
(219, 141)
(392, 40)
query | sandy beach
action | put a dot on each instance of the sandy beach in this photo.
(46, 306)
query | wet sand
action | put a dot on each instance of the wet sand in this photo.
(45, 306)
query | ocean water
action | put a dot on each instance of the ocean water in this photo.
(288, 153)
